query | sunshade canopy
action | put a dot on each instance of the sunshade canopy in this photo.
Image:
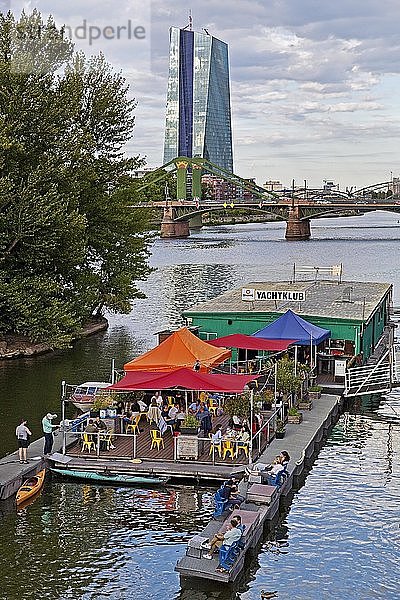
(180, 349)
(249, 342)
(182, 378)
(291, 326)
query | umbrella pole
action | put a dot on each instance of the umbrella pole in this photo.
(186, 402)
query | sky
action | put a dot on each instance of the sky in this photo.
(315, 85)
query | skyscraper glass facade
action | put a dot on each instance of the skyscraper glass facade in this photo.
(198, 121)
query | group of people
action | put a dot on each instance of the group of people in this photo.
(23, 435)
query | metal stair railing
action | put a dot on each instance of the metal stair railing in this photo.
(370, 378)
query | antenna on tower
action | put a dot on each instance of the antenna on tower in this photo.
(190, 20)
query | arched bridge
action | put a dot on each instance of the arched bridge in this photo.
(297, 206)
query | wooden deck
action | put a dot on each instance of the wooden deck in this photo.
(124, 448)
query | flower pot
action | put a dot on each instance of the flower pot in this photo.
(306, 405)
(279, 435)
(314, 395)
(295, 419)
(189, 430)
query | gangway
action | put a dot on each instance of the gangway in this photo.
(373, 379)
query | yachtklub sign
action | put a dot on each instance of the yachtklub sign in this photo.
(251, 295)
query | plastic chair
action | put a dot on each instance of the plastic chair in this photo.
(212, 410)
(228, 555)
(242, 446)
(215, 446)
(153, 414)
(228, 446)
(88, 443)
(156, 439)
(134, 424)
(220, 504)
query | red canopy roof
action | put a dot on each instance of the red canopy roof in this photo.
(248, 342)
(183, 378)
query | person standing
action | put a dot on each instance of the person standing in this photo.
(48, 427)
(22, 433)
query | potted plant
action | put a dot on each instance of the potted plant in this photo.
(280, 430)
(314, 392)
(190, 425)
(101, 402)
(294, 416)
(305, 403)
(267, 397)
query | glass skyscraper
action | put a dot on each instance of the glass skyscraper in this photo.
(198, 121)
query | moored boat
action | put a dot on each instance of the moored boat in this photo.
(109, 477)
(85, 393)
(30, 487)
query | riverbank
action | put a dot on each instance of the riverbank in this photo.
(19, 346)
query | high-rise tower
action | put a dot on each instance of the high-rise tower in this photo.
(198, 119)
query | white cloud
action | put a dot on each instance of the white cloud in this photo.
(311, 81)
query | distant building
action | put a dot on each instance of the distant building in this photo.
(330, 186)
(273, 186)
(216, 188)
(198, 120)
(139, 173)
(395, 185)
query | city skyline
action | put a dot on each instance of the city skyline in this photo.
(198, 114)
(314, 86)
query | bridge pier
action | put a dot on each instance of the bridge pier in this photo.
(196, 222)
(297, 229)
(170, 228)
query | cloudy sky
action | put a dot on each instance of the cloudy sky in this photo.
(315, 85)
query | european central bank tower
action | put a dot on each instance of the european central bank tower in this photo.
(198, 119)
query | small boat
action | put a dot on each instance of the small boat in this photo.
(30, 487)
(109, 477)
(84, 394)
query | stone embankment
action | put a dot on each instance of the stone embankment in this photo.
(18, 346)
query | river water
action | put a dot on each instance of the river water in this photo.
(341, 536)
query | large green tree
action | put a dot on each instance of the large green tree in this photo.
(72, 242)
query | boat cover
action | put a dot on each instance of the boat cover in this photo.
(182, 378)
(180, 349)
(291, 326)
(249, 342)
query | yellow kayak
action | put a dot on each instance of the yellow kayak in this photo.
(30, 487)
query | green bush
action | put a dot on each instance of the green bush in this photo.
(315, 388)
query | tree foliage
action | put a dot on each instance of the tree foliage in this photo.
(72, 242)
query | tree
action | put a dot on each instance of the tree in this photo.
(72, 243)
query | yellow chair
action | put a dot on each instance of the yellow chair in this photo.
(228, 446)
(242, 446)
(156, 439)
(214, 446)
(212, 410)
(88, 443)
(134, 424)
(107, 439)
(170, 400)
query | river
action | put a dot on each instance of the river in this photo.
(340, 538)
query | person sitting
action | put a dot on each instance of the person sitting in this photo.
(158, 399)
(279, 464)
(193, 408)
(229, 491)
(99, 425)
(90, 428)
(216, 437)
(219, 538)
(236, 423)
(135, 408)
(120, 408)
(172, 414)
(165, 411)
(233, 535)
(142, 405)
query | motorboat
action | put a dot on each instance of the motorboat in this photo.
(107, 476)
(84, 394)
